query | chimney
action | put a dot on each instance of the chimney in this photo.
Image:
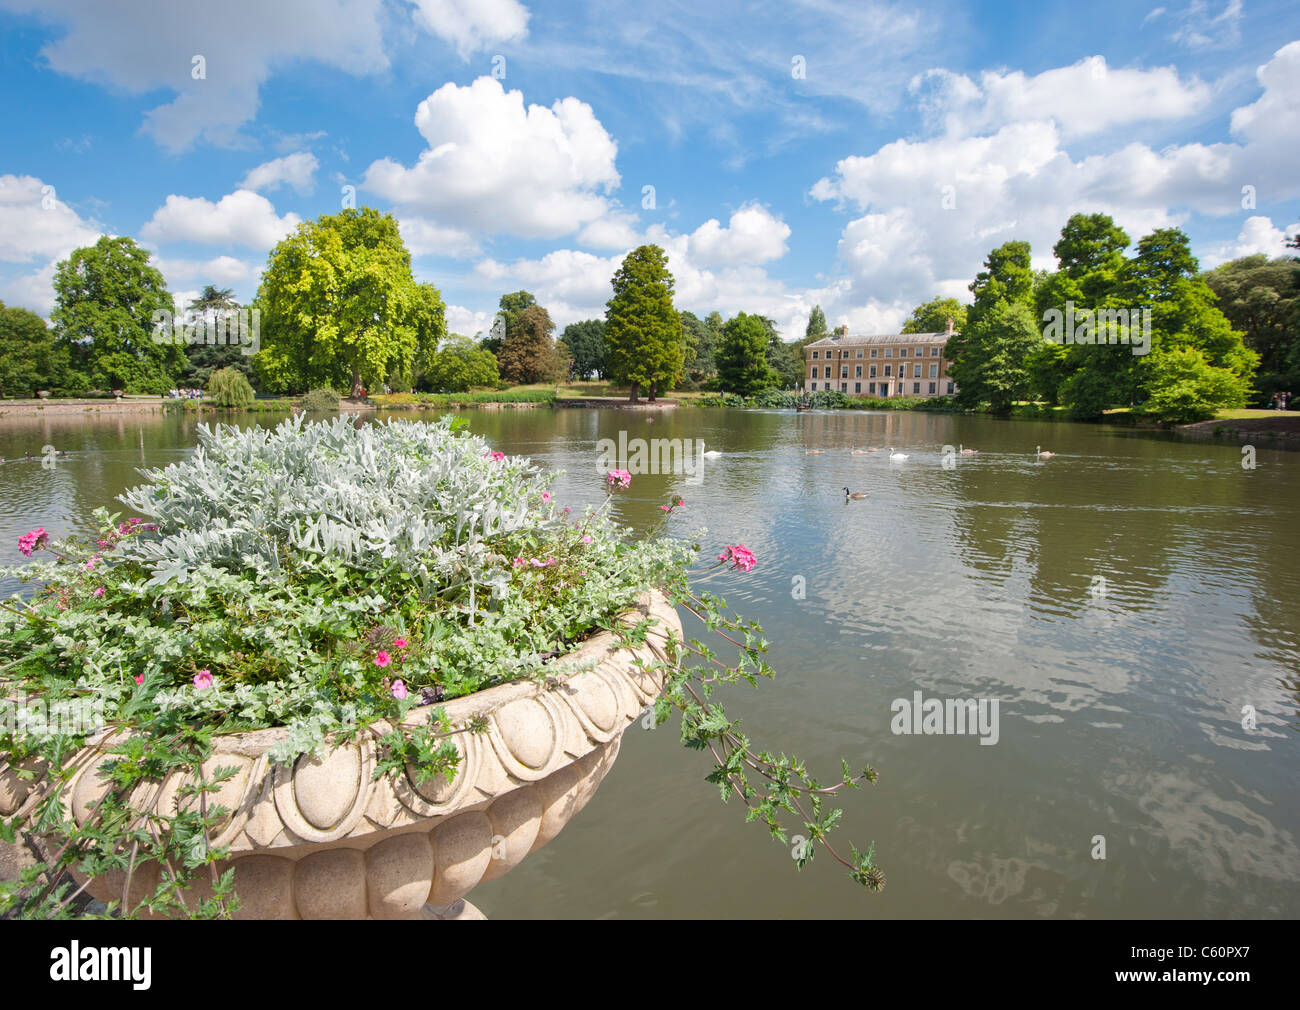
(948, 330)
(844, 329)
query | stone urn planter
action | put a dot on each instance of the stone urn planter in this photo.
(323, 839)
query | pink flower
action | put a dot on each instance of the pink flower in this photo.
(741, 558)
(139, 678)
(519, 563)
(681, 502)
(567, 509)
(666, 508)
(586, 539)
(203, 679)
(382, 658)
(102, 543)
(538, 563)
(496, 455)
(399, 690)
(399, 643)
(90, 565)
(546, 497)
(618, 478)
(134, 521)
(99, 591)
(33, 540)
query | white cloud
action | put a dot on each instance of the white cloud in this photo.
(493, 166)
(424, 238)
(467, 322)
(221, 271)
(1257, 236)
(139, 46)
(471, 25)
(1084, 98)
(239, 218)
(753, 235)
(297, 170)
(1200, 28)
(35, 224)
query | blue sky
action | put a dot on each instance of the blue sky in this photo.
(861, 156)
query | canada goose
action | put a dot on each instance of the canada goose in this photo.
(712, 454)
(967, 452)
(814, 452)
(896, 455)
(855, 495)
(1043, 453)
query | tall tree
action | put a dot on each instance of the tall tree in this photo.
(340, 306)
(816, 328)
(1261, 299)
(528, 354)
(460, 365)
(509, 309)
(105, 299)
(784, 359)
(206, 358)
(586, 342)
(933, 316)
(29, 360)
(742, 356)
(700, 346)
(642, 329)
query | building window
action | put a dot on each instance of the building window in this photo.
(889, 369)
(814, 354)
(884, 390)
(859, 354)
(857, 387)
(844, 387)
(873, 352)
(932, 385)
(934, 352)
(920, 352)
(916, 387)
(872, 371)
(844, 373)
(902, 352)
(950, 389)
(857, 372)
(889, 352)
(871, 388)
(934, 371)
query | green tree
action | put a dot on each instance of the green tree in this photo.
(461, 365)
(586, 342)
(29, 359)
(700, 342)
(1185, 387)
(784, 359)
(1261, 299)
(816, 328)
(642, 329)
(106, 297)
(340, 306)
(229, 388)
(528, 354)
(205, 358)
(742, 356)
(933, 316)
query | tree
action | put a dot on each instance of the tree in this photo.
(933, 316)
(340, 306)
(642, 329)
(214, 299)
(528, 354)
(105, 299)
(229, 388)
(700, 345)
(29, 360)
(816, 328)
(205, 358)
(742, 356)
(1185, 387)
(586, 342)
(461, 365)
(782, 358)
(1261, 299)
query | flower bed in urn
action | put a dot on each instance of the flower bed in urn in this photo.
(341, 671)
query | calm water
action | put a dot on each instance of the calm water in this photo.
(1120, 713)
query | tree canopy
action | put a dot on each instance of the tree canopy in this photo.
(643, 331)
(742, 356)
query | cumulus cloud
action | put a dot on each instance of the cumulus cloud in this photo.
(239, 218)
(1084, 98)
(222, 271)
(35, 224)
(494, 166)
(424, 238)
(752, 235)
(467, 322)
(297, 170)
(471, 25)
(139, 46)
(1257, 235)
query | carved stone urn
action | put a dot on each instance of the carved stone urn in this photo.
(324, 839)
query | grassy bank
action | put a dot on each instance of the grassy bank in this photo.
(430, 401)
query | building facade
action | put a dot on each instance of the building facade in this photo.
(895, 364)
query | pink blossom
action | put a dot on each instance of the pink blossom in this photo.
(102, 543)
(666, 508)
(586, 539)
(741, 558)
(546, 497)
(99, 591)
(496, 455)
(567, 509)
(134, 521)
(519, 563)
(139, 678)
(203, 679)
(399, 643)
(539, 563)
(382, 658)
(90, 565)
(618, 478)
(33, 540)
(399, 690)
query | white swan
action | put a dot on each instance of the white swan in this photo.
(1043, 453)
(967, 452)
(712, 454)
(897, 455)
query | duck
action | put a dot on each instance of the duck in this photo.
(967, 452)
(863, 452)
(711, 454)
(855, 495)
(896, 455)
(1043, 453)
(814, 452)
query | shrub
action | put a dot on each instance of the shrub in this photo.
(323, 399)
(228, 387)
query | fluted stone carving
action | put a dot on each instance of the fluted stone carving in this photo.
(325, 839)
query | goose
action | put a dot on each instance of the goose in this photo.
(967, 452)
(855, 495)
(1043, 453)
(712, 454)
(863, 452)
(896, 455)
(814, 452)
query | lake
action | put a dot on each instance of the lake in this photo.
(1129, 604)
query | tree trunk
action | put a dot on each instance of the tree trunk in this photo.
(653, 391)
(636, 391)
(356, 385)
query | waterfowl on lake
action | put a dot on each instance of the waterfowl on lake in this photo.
(711, 454)
(1043, 453)
(896, 455)
(814, 452)
(855, 495)
(863, 452)
(967, 452)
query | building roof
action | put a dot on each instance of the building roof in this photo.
(882, 339)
